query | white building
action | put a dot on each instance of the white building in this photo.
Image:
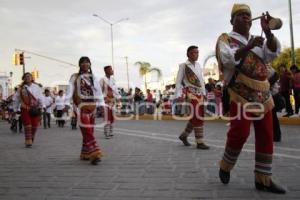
(5, 84)
(62, 87)
(211, 71)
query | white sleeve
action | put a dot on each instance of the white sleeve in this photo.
(98, 93)
(202, 82)
(40, 97)
(16, 101)
(70, 91)
(115, 90)
(268, 54)
(101, 83)
(227, 55)
(44, 101)
(179, 79)
(117, 94)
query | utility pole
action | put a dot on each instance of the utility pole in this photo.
(23, 63)
(292, 35)
(112, 45)
(126, 58)
(111, 34)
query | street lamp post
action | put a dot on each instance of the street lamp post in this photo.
(291, 33)
(11, 77)
(126, 58)
(111, 33)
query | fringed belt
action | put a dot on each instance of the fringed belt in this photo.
(254, 84)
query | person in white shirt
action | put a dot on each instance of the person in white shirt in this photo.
(111, 94)
(59, 106)
(48, 102)
(172, 99)
(30, 97)
(190, 79)
(85, 92)
(16, 120)
(243, 56)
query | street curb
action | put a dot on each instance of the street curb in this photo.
(282, 120)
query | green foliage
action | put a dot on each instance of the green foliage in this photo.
(284, 58)
(145, 68)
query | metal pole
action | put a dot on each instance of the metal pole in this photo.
(11, 82)
(23, 63)
(112, 45)
(292, 35)
(23, 68)
(126, 58)
(47, 57)
(111, 34)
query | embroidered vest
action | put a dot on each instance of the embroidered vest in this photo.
(83, 96)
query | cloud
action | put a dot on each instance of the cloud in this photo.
(158, 32)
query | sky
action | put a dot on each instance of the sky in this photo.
(158, 32)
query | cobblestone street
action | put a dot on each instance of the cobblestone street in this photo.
(143, 161)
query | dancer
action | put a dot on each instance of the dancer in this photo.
(242, 58)
(86, 94)
(190, 79)
(111, 94)
(29, 96)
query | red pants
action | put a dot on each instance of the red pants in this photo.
(90, 149)
(196, 122)
(240, 130)
(238, 134)
(30, 125)
(198, 112)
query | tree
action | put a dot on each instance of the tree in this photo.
(284, 58)
(146, 68)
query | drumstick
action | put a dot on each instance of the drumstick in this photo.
(255, 18)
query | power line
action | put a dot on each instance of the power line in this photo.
(47, 57)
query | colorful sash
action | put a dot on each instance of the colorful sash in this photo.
(191, 77)
(27, 99)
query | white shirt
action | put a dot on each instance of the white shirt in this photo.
(157, 97)
(47, 102)
(60, 102)
(98, 96)
(13, 102)
(35, 91)
(227, 53)
(112, 84)
(181, 78)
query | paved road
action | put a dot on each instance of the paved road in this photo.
(143, 161)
